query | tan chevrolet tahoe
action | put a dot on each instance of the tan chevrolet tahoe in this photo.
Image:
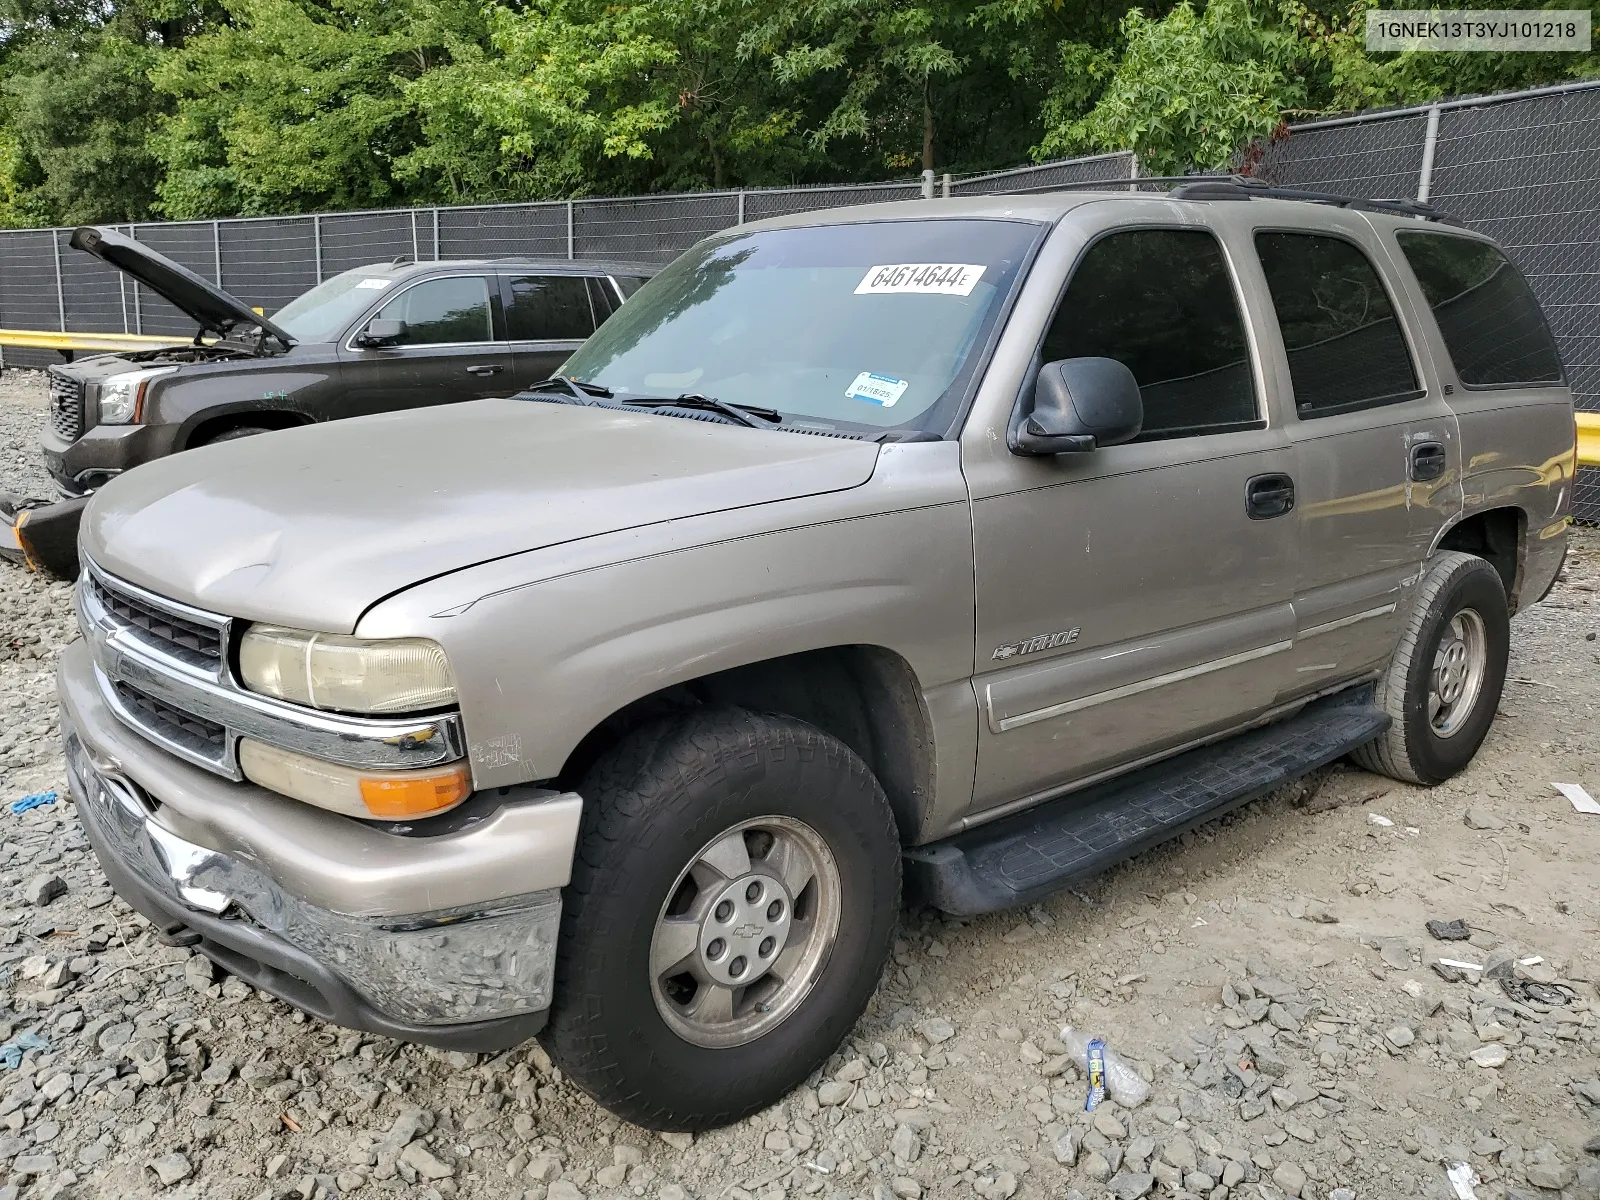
(953, 549)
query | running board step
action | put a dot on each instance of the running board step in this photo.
(1021, 858)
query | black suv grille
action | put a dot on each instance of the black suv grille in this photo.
(189, 641)
(194, 733)
(66, 405)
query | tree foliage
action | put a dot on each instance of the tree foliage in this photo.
(130, 109)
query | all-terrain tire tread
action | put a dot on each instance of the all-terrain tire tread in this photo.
(1388, 754)
(652, 767)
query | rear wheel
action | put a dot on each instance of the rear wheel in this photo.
(732, 904)
(1443, 684)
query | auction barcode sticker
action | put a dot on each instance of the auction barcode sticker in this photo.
(930, 279)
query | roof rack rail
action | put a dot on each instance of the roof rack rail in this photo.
(1244, 187)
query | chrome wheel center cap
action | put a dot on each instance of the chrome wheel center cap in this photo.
(745, 929)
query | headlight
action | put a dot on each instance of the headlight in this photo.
(122, 396)
(345, 674)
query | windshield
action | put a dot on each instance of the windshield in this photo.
(859, 327)
(323, 312)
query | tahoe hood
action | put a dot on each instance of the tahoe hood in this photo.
(310, 527)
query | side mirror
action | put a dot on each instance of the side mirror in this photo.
(381, 333)
(1078, 405)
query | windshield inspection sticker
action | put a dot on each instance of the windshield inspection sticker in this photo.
(374, 284)
(882, 390)
(929, 279)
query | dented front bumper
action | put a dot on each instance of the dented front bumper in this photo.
(446, 969)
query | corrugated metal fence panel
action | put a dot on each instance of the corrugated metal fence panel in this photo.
(28, 290)
(649, 229)
(1382, 157)
(362, 239)
(268, 263)
(192, 243)
(511, 230)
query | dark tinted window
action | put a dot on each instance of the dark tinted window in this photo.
(630, 283)
(443, 310)
(1490, 321)
(1160, 301)
(549, 307)
(1345, 348)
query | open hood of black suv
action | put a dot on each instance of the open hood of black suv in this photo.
(213, 309)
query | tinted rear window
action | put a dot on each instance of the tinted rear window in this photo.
(1345, 348)
(1490, 322)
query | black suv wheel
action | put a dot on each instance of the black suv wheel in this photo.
(1443, 683)
(732, 904)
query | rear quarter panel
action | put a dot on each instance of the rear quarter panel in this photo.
(1519, 450)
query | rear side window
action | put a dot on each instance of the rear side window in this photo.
(629, 284)
(1346, 351)
(1161, 302)
(548, 308)
(454, 309)
(1490, 322)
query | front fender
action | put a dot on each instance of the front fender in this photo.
(540, 663)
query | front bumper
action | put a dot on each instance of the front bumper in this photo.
(102, 451)
(429, 938)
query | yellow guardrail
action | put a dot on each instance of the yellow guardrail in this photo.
(37, 339)
(1589, 439)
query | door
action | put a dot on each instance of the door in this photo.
(1134, 598)
(451, 349)
(1376, 455)
(547, 318)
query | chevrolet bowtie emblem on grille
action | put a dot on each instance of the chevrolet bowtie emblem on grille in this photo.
(1045, 641)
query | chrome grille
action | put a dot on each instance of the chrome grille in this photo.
(66, 405)
(173, 724)
(188, 641)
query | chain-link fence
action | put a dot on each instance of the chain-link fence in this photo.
(1522, 167)
(268, 261)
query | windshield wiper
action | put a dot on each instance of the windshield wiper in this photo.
(579, 390)
(734, 412)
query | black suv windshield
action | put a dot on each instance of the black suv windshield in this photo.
(869, 326)
(320, 314)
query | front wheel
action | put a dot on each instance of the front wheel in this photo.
(732, 904)
(1443, 684)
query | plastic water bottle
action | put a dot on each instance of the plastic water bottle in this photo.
(1125, 1085)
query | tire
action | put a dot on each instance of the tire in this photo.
(234, 434)
(1459, 594)
(654, 805)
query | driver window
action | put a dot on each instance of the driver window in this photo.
(1161, 302)
(438, 311)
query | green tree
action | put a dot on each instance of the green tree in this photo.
(580, 96)
(1188, 89)
(296, 105)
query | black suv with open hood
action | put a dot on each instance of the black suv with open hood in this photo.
(373, 339)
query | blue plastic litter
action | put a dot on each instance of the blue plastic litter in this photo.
(33, 801)
(11, 1052)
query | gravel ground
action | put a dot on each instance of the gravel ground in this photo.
(1270, 975)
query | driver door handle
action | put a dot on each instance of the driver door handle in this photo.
(1268, 496)
(484, 369)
